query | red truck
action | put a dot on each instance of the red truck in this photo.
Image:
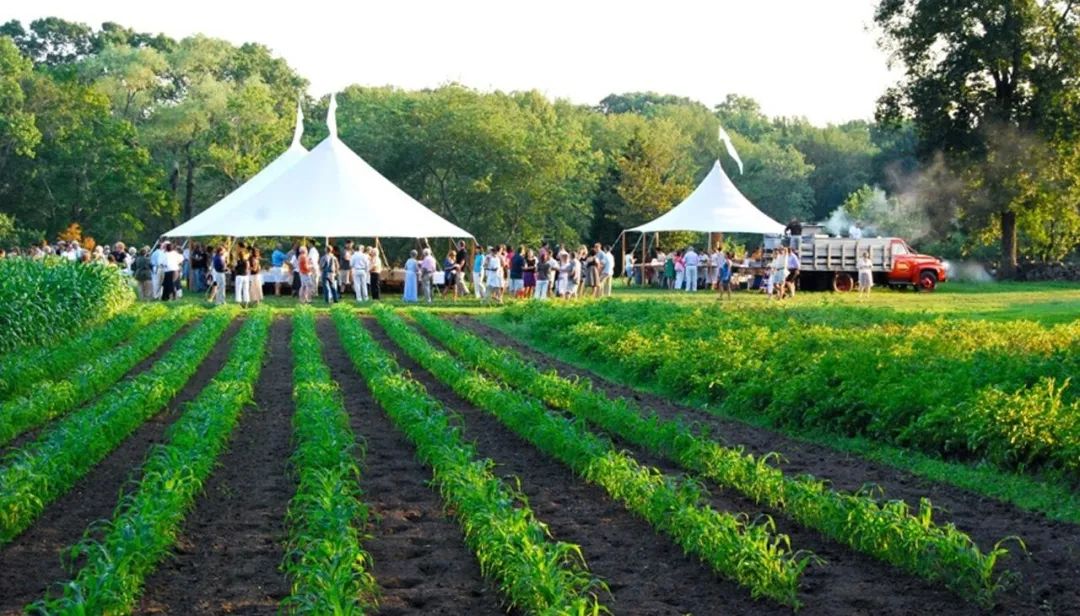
(830, 263)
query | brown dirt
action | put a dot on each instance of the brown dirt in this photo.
(421, 562)
(1047, 575)
(32, 562)
(231, 545)
(646, 572)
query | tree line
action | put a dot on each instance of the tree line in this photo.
(129, 133)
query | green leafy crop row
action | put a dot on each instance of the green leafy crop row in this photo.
(145, 524)
(48, 299)
(32, 477)
(539, 576)
(51, 399)
(888, 531)
(752, 554)
(22, 370)
(961, 388)
(329, 569)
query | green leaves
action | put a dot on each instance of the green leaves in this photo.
(748, 553)
(329, 570)
(49, 299)
(32, 477)
(537, 575)
(119, 554)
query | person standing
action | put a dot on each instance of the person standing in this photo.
(218, 267)
(143, 272)
(725, 275)
(427, 273)
(255, 277)
(198, 268)
(374, 272)
(866, 274)
(779, 273)
(172, 265)
(528, 276)
(628, 268)
(328, 268)
(478, 274)
(359, 265)
(345, 276)
(493, 271)
(543, 268)
(242, 276)
(277, 268)
(692, 261)
(607, 272)
(793, 264)
(157, 260)
(304, 267)
(517, 272)
(411, 272)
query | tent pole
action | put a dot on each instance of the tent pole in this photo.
(645, 242)
(622, 265)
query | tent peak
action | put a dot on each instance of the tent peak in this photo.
(299, 130)
(331, 115)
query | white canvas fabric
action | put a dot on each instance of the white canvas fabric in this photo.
(716, 205)
(332, 192)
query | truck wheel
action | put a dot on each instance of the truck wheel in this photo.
(842, 282)
(927, 281)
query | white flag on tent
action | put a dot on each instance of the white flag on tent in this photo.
(730, 148)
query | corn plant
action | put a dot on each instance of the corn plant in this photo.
(888, 531)
(752, 554)
(50, 399)
(34, 476)
(537, 575)
(22, 370)
(329, 570)
(118, 555)
(45, 300)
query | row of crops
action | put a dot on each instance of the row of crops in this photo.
(83, 416)
(965, 389)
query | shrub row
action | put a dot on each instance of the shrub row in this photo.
(952, 387)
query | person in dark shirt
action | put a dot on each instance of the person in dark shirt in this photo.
(517, 272)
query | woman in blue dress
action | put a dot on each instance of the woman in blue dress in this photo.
(411, 271)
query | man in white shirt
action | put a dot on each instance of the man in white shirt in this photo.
(157, 265)
(173, 262)
(360, 264)
(607, 271)
(691, 260)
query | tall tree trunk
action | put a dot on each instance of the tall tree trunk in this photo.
(189, 185)
(1008, 244)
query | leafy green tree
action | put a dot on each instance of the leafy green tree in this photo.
(18, 134)
(981, 77)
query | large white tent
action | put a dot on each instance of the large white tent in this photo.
(209, 221)
(332, 192)
(716, 205)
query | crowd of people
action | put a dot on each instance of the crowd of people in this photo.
(495, 274)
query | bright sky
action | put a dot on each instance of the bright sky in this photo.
(796, 57)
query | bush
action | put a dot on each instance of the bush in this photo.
(46, 300)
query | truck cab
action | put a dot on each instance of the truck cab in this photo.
(923, 272)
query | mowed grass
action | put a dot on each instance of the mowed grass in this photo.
(1047, 303)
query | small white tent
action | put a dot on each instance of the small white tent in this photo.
(332, 192)
(209, 221)
(716, 205)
